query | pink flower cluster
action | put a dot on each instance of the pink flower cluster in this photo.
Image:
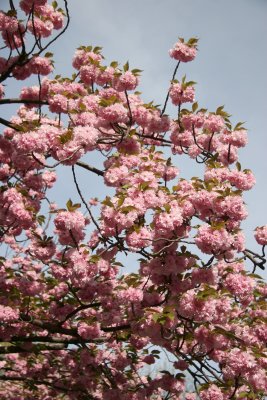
(70, 227)
(261, 235)
(46, 19)
(8, 314)
(81, 325)
(180, 94)
(1, 91)
(88, 62)
(216, 241)
(89, 331)
(184, 52)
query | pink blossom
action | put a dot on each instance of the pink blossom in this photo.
(86, 137)
(69, 227)
(183, 52)
(149, 359)
(214, 123)
(261, 235)
(190, 120)
(8, 314)
(168, 221)
(131, 294)
(41, 28)
(242, 180)
(141, 238)
(116, 176)
(236, 138)
(82, 57)
(227, 154)
(181, 364)
(212, 393)
(239, 285)
(213, 241)
(238, 362)
(88, 74)
(190, 396)
(180, 94)
(40, 65)
(114, 113)
(89, 331)
(126, 81)
(232, 206)
(1, 91)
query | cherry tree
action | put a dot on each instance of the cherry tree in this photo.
(73, 324)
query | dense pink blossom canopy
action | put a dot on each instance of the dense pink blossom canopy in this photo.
(73, 324)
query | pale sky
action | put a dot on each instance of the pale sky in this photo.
(230, 68)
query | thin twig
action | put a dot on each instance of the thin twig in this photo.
(168, 94)
(90, 168)
(83, 200)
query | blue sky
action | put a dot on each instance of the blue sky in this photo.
(230, 68)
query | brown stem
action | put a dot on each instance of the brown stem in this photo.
(89, 168)
(168, 94)
(23, 101)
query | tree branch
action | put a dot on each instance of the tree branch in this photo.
(23, 101)
(9, 124)
(168, 94)
(89, 168)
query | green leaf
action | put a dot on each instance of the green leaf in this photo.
(2, 260)
(49, 54)
(195, 106)
(94, 259)
(82, 107)
(108, 202)
(156, 316)
(155, 352)
(126, 66)
(167, 208)
(72, 207)
(41, 219)
(228, 334)
(255, 276)
(192, 42)
(191, 83)
(144, 186)
(108, 102)
(239, 126)
(242, 395)
(114, 64)
(66, 137)
(137, 71)
(206, 293)
(121, 201)
(97, 49)
(180, 375)
(164, 371)
(11, 13)
(183, 249)
(136, 228)
(127, 209)
(238, 166)
(54, 5)
(218, 225)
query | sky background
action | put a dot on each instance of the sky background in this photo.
(230, 69)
